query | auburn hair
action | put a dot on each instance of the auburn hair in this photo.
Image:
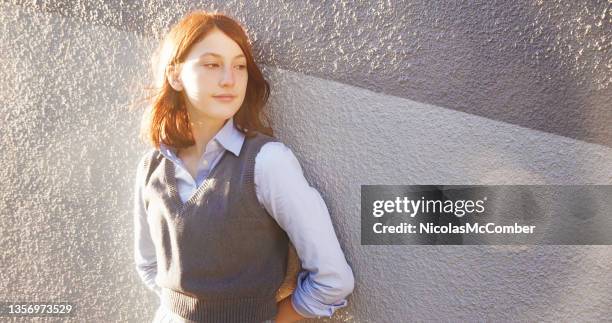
(165, 119)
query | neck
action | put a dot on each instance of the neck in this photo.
(203, 130)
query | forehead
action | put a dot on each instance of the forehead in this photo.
(216, 43)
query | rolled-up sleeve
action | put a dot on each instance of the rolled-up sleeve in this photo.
(144, 249)
(326, 279)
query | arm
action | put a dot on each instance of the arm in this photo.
(299, 209)
(144, 249)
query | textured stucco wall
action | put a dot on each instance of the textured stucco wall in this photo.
(379, 93)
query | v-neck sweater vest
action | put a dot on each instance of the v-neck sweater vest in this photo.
(220, 256)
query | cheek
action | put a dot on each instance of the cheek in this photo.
(206, 79)
(244, 80)
(199, 74)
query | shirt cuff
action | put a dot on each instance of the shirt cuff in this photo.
(305, 303)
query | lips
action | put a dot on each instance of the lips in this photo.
(224, 97)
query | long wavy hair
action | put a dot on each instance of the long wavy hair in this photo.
(165, 119)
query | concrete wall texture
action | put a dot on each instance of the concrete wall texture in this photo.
(384, 92)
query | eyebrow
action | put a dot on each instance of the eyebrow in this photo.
(217, 55)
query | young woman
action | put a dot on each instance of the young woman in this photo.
(218, 200)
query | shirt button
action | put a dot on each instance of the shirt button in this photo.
(205, 162)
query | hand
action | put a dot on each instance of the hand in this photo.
(286, 313)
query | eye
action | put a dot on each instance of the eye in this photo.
(211, 65)
(241, 67)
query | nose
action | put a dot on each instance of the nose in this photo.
(227, 78)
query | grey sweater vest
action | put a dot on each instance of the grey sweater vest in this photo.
(220, 256)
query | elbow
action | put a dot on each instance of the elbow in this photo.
(142, 272)
(323, 295)
(141, 267)
(347, 283)
(146, 270)
(343, 286)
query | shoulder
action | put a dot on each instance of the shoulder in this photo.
(276, 157)
(147, 157)
(146, 160)
(258, 139)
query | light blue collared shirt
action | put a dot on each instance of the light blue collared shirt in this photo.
(326, 279)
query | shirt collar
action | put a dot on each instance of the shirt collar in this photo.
(228, 137)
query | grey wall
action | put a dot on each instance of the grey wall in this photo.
(379, 93)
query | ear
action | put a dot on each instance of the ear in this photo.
(172, 75)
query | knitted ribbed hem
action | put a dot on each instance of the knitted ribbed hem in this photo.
(229, 310)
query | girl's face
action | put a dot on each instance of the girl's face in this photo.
(213, 77)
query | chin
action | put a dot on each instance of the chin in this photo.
(224, 116)
(218, 113)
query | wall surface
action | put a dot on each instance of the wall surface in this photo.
(384, 92)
